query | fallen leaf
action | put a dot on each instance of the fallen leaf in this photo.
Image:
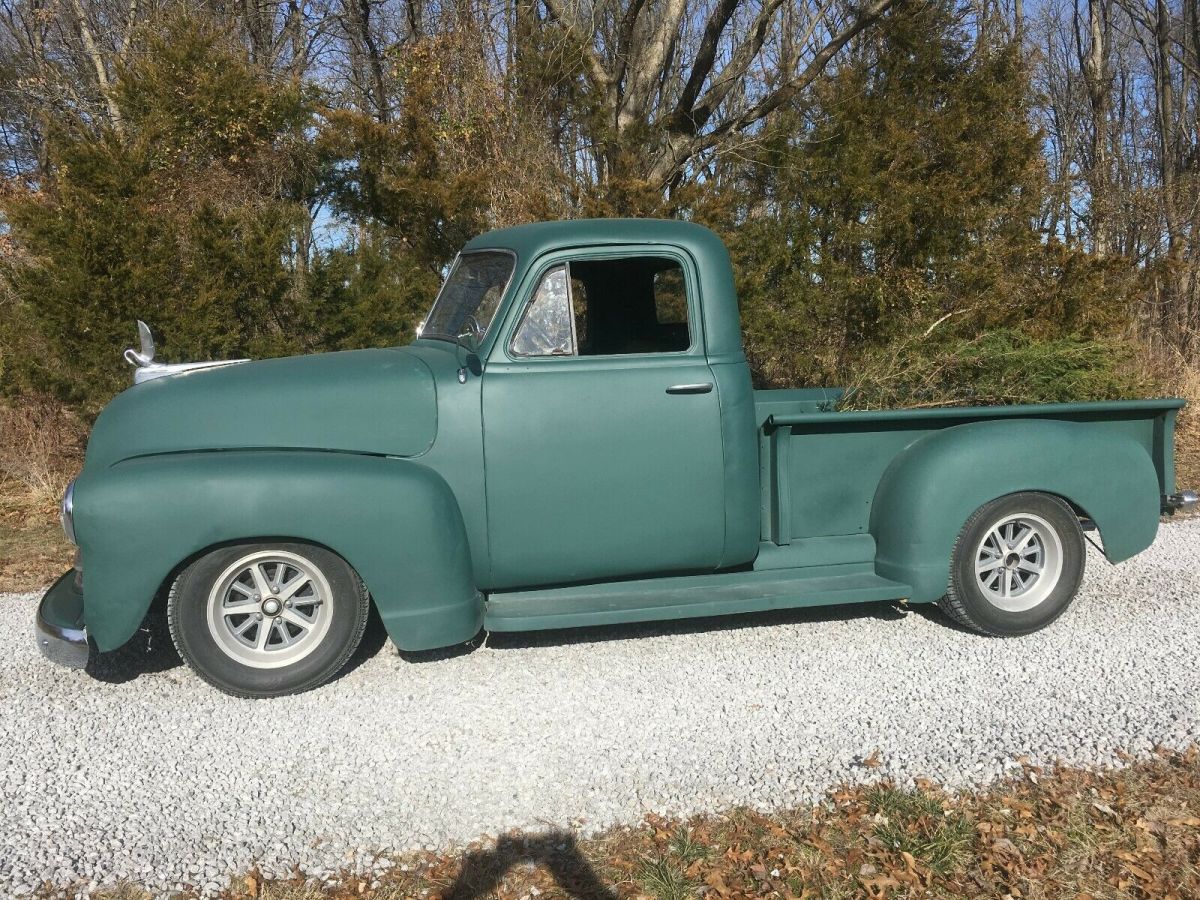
(1005, 847)
(1189, 821)
(1139, 872)
(717, 883)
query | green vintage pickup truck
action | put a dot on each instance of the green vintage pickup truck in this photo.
(573, 439)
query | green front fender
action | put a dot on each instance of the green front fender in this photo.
(934, 485)
(395, 521)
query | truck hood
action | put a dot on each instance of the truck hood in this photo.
(361, 401)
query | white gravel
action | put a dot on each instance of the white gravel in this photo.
(136, 769)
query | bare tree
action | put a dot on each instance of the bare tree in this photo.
(1123, 138)
(676, 80)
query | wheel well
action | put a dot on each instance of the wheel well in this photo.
(158, 604)
(1084, 519)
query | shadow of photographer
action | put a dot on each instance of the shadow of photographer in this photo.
(483, 870)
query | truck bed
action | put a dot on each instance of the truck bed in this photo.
(820, 468)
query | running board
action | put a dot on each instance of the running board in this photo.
(686, 597)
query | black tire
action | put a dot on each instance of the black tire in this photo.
(204, 630)
(983, 608)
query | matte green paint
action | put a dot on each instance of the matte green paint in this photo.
(576, 491)
(739, 438)
(686, 597)
(395, 521)
(822, 472)
(363, 401)
(935, 483)
(547, 423)
(569, 434)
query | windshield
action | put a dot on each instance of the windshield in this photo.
(470, 297)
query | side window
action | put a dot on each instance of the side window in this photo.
(607, 307)
(579, 302)
(670, 296)
(547, 328)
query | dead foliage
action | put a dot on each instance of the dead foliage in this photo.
(1178, 376)
(41, 447)
(1048, 833)
(1186, 384)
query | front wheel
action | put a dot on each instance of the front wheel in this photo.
(1016, 566)
(262, 620)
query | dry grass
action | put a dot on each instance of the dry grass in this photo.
(124, 892)
(1186, 384)
(1062, 833)
(41, 447)
(1178, 376)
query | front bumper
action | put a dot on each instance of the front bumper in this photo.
(61, 634)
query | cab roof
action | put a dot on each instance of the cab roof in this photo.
(541, 237)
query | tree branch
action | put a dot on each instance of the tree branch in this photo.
(625, 37)
(706, 53)
(601, 80)
(679, 151)
(739, 64)
(812, 71)
(93, 51)
(651, 59)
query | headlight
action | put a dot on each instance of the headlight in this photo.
(66, 512)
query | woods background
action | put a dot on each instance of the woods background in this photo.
(929, 200)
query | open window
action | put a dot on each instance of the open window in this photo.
(607, 307)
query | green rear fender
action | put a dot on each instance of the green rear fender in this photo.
(395, 521)
(934, 485)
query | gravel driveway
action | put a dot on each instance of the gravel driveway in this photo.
(136, 769)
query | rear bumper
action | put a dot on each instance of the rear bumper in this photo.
(61, 634)
(1182, 500)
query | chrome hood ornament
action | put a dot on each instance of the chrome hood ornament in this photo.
(146, 369)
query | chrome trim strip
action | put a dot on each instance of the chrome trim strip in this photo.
(162, 370)
(66, 511)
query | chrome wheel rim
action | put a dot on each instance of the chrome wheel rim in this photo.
(270, 609)
(1018, 562)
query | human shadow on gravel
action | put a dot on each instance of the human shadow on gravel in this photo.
(483, 870)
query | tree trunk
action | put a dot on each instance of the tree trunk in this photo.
(1097, 76)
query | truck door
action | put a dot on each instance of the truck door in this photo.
(602, 431)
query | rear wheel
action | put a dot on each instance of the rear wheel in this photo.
(262, 620)
(1016, 566)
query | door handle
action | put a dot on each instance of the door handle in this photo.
(704, 388)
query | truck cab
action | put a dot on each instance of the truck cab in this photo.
(610, 369)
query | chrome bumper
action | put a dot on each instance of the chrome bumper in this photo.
(1181, 500)
(61, 634)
